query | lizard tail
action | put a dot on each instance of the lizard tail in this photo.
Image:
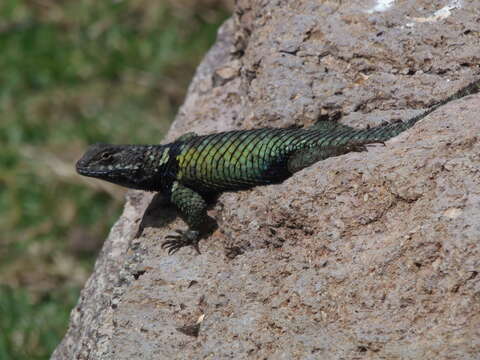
(385, 132)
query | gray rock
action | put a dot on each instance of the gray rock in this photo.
(369, 255)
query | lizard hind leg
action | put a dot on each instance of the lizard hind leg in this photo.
(305, 157)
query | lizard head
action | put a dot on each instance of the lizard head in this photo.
(118, 164)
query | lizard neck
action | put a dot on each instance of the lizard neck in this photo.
(158, 168)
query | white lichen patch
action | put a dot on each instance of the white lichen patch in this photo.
(440, 14)
(453, 213)
(380, 6)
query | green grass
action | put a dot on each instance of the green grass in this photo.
(73, 73)
(33, 328)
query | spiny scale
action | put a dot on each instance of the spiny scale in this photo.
(235, 160)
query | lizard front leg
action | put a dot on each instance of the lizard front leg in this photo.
(193, 209)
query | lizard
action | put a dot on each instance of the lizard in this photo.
(193, 167)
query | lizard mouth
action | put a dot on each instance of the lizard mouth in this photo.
(84, 170)
(80, 167)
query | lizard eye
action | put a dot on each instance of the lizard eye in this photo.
(106, 156)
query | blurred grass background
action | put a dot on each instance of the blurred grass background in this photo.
(75, 72)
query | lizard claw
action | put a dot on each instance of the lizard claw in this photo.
(379, 142)
(184, 238)
(364, 147)
(358, 148)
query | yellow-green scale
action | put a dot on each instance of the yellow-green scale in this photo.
(209, 163)
(240, 171)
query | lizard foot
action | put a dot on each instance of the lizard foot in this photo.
(184, 238)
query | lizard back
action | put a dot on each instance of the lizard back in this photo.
(237, 160)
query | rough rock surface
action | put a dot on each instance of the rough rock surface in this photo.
(365, 256)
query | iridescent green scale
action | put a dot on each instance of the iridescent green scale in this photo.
(243, 159)
(235, 160)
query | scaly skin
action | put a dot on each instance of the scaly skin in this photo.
(193, 166)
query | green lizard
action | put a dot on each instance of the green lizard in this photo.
(195, 166)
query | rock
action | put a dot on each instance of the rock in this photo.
(368, 255)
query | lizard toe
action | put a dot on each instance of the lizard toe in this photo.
(173, 243)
